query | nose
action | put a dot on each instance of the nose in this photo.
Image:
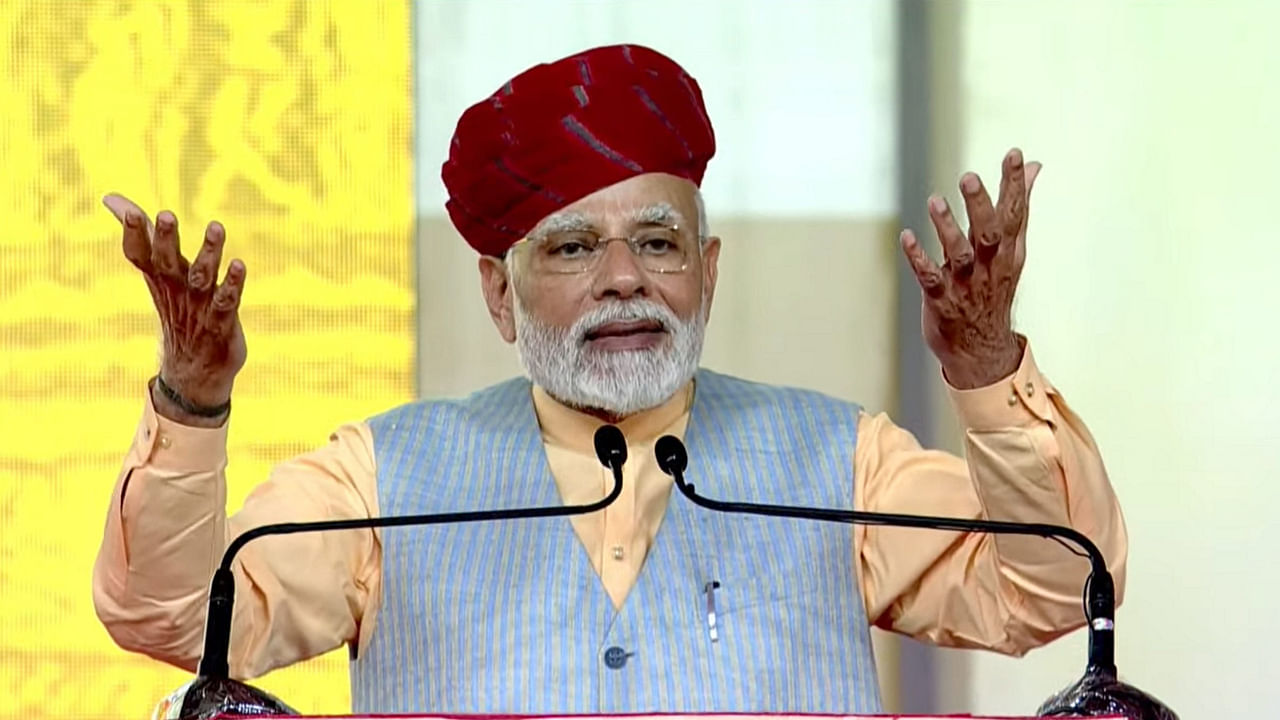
(619, 274)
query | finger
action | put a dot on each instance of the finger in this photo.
(1011, 208)
(136, 238)
(165, 255)
(984, 232)
(204, 270)
(926, 271)
(1033, 171)
(226, 299)
(955, 246)
(120, 205)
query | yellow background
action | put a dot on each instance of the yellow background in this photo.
(291, 123)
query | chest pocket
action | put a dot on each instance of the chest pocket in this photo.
(770, 564)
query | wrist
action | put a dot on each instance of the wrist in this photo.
(177, 406)
(982, 366)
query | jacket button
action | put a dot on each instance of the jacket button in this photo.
(615, 658)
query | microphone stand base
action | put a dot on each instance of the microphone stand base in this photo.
(206, 698)
(1101, 693)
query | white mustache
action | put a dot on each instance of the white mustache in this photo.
(623, 311)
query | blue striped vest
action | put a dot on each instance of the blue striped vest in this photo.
(510, 617)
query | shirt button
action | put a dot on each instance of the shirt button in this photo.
(618, 552)
(1013, 399)
(165, 442)
(615, 658)
(1031, 389)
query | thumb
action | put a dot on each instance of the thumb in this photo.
(120, 206)
(1032, 172)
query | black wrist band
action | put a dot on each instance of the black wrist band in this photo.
(189, 407)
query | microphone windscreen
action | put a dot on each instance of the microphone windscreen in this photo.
(611, 446)
(671, 455)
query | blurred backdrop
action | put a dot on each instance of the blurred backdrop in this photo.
(293, 124)
(315, 132)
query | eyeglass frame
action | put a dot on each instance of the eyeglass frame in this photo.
(601, 239)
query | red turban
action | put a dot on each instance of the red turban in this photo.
(560, 131)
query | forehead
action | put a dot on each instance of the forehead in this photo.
(649, 198)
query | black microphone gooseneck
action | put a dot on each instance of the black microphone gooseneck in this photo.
(1099, 692)
(611, 449)
(1100, 602)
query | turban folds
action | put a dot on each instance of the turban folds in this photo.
(560, 131)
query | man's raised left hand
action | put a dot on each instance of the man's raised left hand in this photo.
(968, 301)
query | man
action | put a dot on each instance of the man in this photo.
(577, 182)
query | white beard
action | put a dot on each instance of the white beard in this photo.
(620, 383)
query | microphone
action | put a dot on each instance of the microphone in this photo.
(1098, 693)
(611, 449)
(214, 693)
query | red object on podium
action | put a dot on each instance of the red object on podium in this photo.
(685, 716)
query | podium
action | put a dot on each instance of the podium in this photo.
(676, 716)
(205, 698)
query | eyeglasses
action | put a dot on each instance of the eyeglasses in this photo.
(659, 249)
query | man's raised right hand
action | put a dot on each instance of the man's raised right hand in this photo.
(204, 344)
